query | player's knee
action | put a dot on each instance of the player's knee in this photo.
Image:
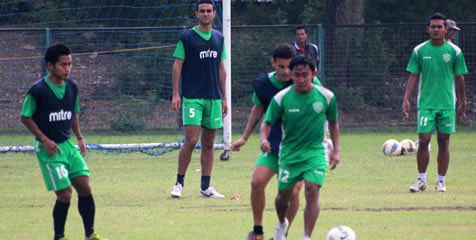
(207, 145)
(311, 191)
(64, 195)
(191, 141)
(258, 184)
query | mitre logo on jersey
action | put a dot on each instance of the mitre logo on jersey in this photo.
(208, 54)
(446, 57)
(60, 116)
(317, 106)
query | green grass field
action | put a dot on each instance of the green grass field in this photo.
(368, 192)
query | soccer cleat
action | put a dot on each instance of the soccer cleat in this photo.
(210, 193)
(281, 229)
(95, 236)
(440, 186)
(63, 238)
(177, 191)
(253, 236)
(418, 186)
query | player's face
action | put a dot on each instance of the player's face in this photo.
(302, 76)
(281, 65)
(62, 68)
(300, 36)
(450, 34)
(205, 14)
(437, 29)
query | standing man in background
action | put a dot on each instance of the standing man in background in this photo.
(452, 28)
(199, 63)
(439, 65)
(50, 111)
(303, 46)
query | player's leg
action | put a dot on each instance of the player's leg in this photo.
(311, 212)
(425, 125)
(261, 176)
(445, 127)
(314, 176)
(192, 118)
(287, 179)
(211, 120)
(55, 175)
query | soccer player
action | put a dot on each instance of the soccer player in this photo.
(199, 57)
(303, 108)
(50, 111)
(439, 65)
(265, 87)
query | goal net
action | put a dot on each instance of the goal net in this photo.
(122, 61)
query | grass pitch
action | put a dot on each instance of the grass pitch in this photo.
(367, 191)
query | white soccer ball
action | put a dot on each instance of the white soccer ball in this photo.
(418, 141)
(341, 232)
(391, 148)
(408, 147)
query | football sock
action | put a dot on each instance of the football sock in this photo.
(440, 179)
(60, 212)
(87, 210)
(205, 182)
(422, 176)
(258, 230)
(180, 179)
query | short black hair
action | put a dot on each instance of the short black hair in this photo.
(205, 2)
(284, 50)
(54, 52)
(437, 16)
(302, 59)
(299, 27)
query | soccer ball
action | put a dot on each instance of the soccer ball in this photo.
(328, 145)
(341, 232)
(418, 141)
(391, 148)
(408, 147)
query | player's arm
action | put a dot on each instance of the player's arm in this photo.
(460, 87)
(265, 131)
(334, 131)
(79, 136)
(255, 116)
(222, 76)
(176, 74)
(49, 145)
(408, 92)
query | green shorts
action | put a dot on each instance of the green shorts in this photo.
(61, 168)
(269, 159)
(442, 120)
(202, 112)
(311, 171)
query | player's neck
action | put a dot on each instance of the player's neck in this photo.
(437, 42)
(55, 80)
(204, 28)
(301, 45)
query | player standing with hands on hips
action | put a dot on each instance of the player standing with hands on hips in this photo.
(303, 108)
(199, 64)
(440, 66)
(50, 111)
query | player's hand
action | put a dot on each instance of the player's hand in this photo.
(462, 110)
(335, 159)
(224, 108)
(265, 145)
(238, 144)
(176, 103)
(51, 147)
(82, 147)
(405, 107)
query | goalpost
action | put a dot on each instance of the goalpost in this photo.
(123, 61)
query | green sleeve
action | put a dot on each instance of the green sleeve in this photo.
(332, 110)
(413, 65)
(460, 65)
(256, 100)
(223, 52)
(76, 106)
(29, 106)
(274, 112)
(179, 51)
